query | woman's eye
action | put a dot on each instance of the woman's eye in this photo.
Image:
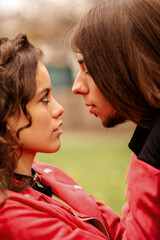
(45, 99)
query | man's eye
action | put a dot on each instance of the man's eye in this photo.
(86, 70)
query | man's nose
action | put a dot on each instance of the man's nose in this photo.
(76, 87)
(79, 87)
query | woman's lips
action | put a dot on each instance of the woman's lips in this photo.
(58, 130)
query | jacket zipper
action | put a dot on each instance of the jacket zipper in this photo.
(92, 218)
(85, 219)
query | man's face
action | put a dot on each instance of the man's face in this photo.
(94, 99)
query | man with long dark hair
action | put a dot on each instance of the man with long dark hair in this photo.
(117, 45)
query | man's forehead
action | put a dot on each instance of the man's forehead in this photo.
(80, 58)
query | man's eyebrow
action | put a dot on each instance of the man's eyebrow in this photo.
(80, 61)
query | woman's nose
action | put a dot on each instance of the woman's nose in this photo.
(57, 110)
(79, 87)
(61, 110)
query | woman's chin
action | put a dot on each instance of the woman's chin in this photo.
(52, 149)
(56, 147)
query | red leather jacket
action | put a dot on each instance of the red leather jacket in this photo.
(30, 214)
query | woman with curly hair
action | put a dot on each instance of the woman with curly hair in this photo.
(38, 201)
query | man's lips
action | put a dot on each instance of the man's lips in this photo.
(92, 108)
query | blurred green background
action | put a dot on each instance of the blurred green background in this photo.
(98, 162)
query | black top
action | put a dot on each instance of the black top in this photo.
(41, 187)
(145, 143)
(35, 182)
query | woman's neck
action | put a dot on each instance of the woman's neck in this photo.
(24, 164)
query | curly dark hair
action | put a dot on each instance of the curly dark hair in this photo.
(18, 65)
(120, 43)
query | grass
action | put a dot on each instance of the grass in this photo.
(98, 163)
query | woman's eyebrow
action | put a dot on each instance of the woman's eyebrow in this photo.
(43, 91)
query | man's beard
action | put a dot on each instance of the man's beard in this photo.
(113, 120)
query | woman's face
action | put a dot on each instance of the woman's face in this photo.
(44, 133)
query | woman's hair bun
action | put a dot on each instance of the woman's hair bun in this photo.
(9, 47)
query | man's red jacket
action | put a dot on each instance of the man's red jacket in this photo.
(31, 215)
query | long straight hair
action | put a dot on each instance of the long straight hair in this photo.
(120, 43)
